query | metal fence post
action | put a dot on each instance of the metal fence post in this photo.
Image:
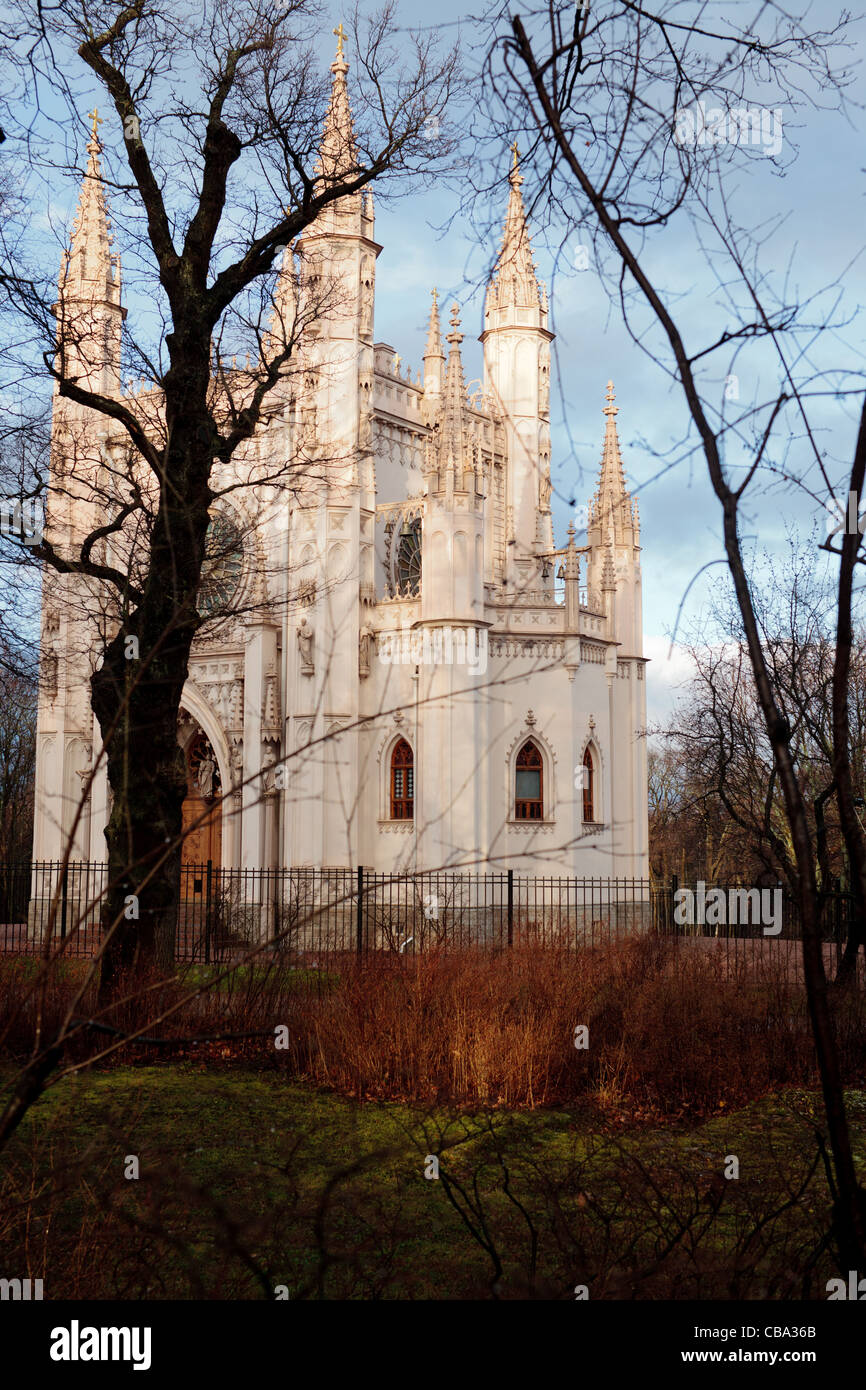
(510, 907)
(64, 891)
(360, 912)
(207, 910)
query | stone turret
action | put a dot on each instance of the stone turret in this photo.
(88, 309)
(516, 342)
(434, 364)
(332, 558)
(614, 541)
(453, 563)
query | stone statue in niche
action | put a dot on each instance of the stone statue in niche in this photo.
(206, 770)
(49, 673)
(544, 381)
(544, 491)
(237, 763)
(305, 646)
(365, 429)
(365, 644)
(269, 758)
(366, 327)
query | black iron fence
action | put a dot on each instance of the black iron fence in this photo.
(325, 911)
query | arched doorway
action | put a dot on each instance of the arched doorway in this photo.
(202, 831)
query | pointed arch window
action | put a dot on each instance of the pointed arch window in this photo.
(402, 782)
(588, 787)
(529, 783)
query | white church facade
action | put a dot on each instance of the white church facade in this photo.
(399, 667)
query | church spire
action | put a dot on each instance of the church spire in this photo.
(613, 515)
(434, 365)
(434, 332)
(88, 309)
(452, 437)
(611, 501)
(514, 282)
(338, 152)
(90, 271)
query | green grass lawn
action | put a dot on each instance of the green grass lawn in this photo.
(289, 977)
(248, 1181)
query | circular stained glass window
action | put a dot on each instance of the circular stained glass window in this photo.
(222, 568)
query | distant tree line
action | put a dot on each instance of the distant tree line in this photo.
(716, 806)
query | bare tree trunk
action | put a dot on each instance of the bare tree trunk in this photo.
(146, 768)
(851, 829)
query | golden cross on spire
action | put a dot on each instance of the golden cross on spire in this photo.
(515, 152)
(341, 34)
(97, 121)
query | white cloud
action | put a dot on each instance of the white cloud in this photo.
(669, 670)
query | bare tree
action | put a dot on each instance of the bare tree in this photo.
(17, 758)
(602, 95)
(715, 744)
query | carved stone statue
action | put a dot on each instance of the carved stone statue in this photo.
(206, 770)
(365, 644)
(365, 429)
(49, 673)
(305, 646)
(237, 764)
(544, 491)
(269, 758)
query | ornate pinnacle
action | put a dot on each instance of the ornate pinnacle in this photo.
(434, 340)
(515, 176)
(94, 144)
(455, 336)
(610, 408)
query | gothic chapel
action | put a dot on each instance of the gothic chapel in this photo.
(398, 668)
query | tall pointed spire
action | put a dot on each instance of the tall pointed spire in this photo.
(88, 309)
(611, 501)
(514, 282)
(434, 332)
(434, 366)
(89, 270)
(453, 431)
(612, 514)
(338, 152)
